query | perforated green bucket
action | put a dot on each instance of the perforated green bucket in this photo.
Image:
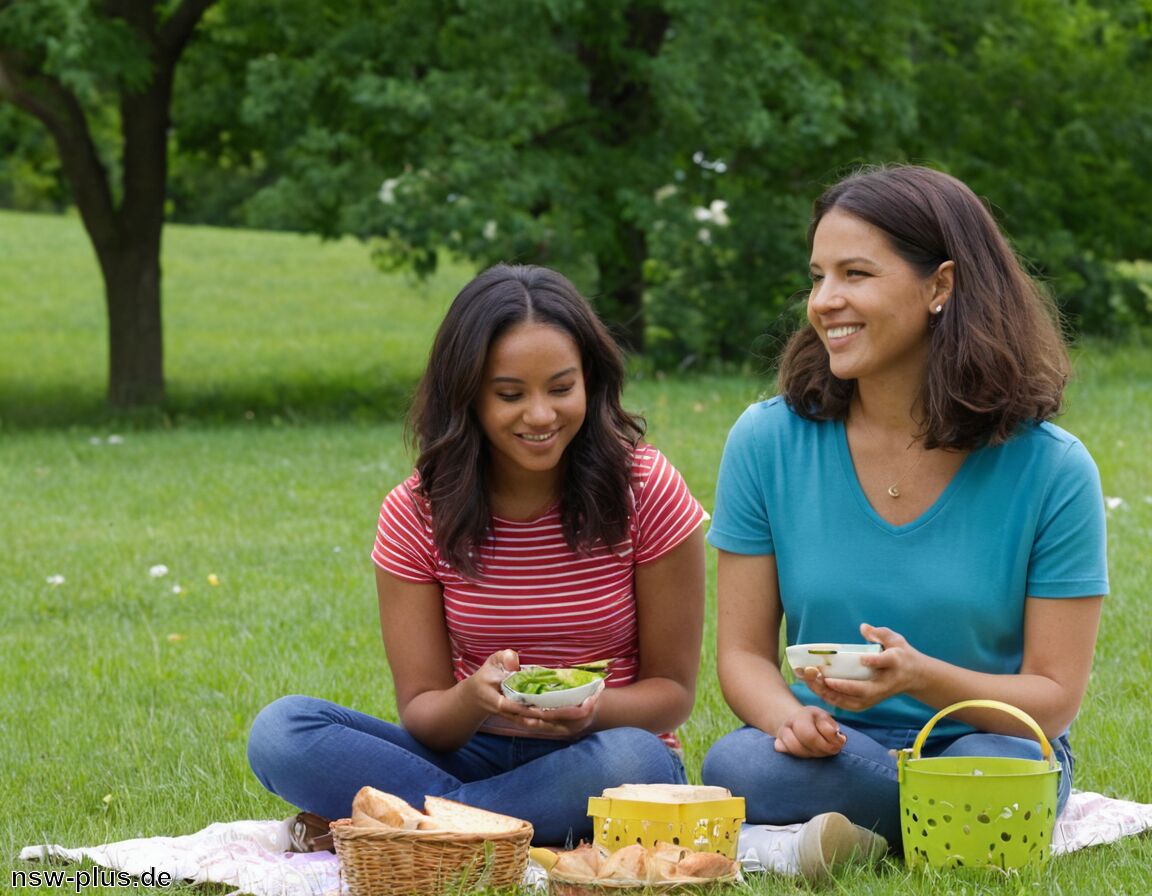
(977, 811)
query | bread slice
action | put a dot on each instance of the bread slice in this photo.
(453, 816)
(386, 809)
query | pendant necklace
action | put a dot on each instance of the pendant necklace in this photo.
(894, 489)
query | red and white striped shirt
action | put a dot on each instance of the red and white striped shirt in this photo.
(552, 606)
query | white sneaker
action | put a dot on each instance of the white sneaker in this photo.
(830, 840)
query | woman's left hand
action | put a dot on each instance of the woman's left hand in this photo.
(894, 672)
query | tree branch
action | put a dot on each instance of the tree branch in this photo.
(58, 109)
(177, 30)
(144, 112)
(165, 39)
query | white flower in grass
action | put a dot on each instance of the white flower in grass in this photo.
(177, 589)
(55, 579)
(158, 571)
(95, 440)
(1113, 503)
(704, 235)
(665, 192)
(490, 230)
(115, 440)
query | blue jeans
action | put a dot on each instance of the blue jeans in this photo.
(859, 782)
(316, 754)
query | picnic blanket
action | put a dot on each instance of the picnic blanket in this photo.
(253, 856)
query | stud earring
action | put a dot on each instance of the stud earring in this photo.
(937, 309)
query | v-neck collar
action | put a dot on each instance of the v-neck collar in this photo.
(849, 470)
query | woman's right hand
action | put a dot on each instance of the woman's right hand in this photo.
(484, 683)
(809, 733)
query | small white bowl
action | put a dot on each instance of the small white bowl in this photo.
(833, 660)
(554, 699)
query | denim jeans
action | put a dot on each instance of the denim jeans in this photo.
(859, 782)
(316, 755)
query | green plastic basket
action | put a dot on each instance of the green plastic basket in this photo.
(977, 811)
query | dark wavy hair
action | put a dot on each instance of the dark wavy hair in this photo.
(997, 357)
(453, 460)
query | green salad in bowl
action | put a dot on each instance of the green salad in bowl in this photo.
(554, 688)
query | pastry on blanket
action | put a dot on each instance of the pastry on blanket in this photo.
(375, 808)
(663, 858)
(705, 864)
(627, 863)
(581, 863)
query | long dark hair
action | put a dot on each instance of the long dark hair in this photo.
(997, 357)
(453, 453)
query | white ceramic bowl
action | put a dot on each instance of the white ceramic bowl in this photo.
(833, 660)
(554, 699)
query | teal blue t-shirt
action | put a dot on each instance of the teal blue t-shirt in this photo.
(1022, 519)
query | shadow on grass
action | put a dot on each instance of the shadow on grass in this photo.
(296, 403)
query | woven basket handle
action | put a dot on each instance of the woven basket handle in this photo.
(1045, 746)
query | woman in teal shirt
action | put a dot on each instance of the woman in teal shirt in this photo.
(905, 488)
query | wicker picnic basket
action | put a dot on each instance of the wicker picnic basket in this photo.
(382, 862)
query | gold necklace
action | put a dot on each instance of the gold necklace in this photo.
(894, 489)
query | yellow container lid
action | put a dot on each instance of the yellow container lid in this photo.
(671, 813)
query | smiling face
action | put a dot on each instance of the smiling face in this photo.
(532, 401)
(870, 307)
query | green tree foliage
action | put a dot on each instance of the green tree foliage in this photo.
(662, 152)
(773, 114)
(666, 151)
(30, 175)
(1044, 106)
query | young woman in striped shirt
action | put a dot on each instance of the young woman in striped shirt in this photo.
(537, 528)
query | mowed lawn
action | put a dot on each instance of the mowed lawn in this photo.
(167, 575)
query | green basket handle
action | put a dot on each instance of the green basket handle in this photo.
(1045, 746)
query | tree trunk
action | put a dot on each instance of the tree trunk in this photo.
(135, 332)
(131, 260)
(621, 302)
(620, 92)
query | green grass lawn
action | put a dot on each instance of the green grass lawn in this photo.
(127, 696)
